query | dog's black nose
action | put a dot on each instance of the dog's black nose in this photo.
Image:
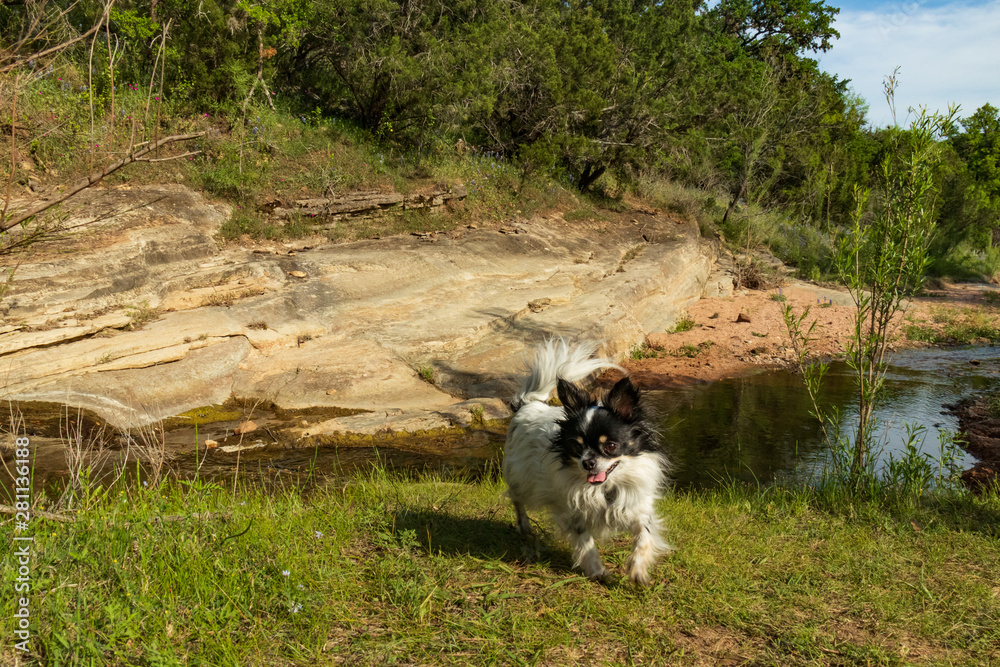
(589, 464)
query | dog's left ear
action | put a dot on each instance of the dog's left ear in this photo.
(623, 400)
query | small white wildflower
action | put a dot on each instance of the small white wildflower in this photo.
(318, 534)
(285, 572)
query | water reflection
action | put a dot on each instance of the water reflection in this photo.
(759, 428)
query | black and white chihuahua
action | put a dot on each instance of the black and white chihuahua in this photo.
(595, 462)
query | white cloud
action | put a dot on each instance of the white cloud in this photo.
(948, 53)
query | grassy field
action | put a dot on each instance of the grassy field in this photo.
(384, 570)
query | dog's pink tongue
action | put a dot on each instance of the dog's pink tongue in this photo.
(597, 478)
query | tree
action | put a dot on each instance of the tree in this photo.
(393, 66)
(762, 28)
(979, 147)
(599, 82)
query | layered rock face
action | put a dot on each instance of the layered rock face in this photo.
(141, 314)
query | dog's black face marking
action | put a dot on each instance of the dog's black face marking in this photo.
(594, 430)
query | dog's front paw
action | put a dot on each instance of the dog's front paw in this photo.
(639, 576)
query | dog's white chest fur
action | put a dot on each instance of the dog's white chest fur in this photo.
(538, 479)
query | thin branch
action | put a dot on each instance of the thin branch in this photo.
(94, 178)
(164, 159)
(55, 49)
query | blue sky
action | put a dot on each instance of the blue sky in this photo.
(946, 51)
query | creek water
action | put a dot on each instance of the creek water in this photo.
(756, 428)
(759, 427)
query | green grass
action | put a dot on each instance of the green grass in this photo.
(642, 351)
(691, 351)
(683, 324)
(247, 222)
(426, 374)
(384, 570)
(964, 263)
(958, 326)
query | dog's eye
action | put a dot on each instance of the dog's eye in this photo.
(610, 447)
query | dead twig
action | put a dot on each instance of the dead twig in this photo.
(95, 178)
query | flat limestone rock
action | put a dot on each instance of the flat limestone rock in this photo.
(384, 325)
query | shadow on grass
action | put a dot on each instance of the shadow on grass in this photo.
(491, 538)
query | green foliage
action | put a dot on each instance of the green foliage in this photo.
(760, 27)
(968, 245)
(642, 351)
(691, 351)
(883, 259)
(683, 324)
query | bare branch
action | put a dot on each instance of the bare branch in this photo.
(164, 159)
(94, 178)
(47, 52)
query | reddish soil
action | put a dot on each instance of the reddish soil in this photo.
(720, 345)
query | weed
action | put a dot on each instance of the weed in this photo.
(780, 298)
(920, 333)
(755, 275)
(478, 418)
(141, 314)
(683, 324)
(630, 254)
(642, 351)
(993, 404)
(247, 223)
(426, 373)
(228, 298)
(224, 299)
(578, 215)
(957, 326)
(690, 351)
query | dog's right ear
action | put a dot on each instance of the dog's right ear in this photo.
(572, 397)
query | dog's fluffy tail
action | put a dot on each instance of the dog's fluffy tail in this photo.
(554, 359)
